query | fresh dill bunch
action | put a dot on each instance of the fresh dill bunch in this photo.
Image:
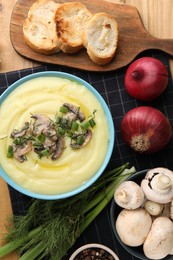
(59, 222)
(50, 228)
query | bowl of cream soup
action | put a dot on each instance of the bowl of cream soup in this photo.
(57, 135)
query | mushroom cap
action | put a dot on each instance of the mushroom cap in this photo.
(171, 252)
(129, 195)
(159, 241)
(133, 226)
(158, 185)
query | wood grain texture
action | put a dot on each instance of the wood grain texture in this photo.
(133, 37)
(157, 17)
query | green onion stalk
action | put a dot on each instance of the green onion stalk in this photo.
(50, 228)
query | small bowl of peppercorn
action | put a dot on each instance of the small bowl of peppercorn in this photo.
(94, 251)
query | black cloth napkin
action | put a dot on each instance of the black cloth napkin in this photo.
(111, 86)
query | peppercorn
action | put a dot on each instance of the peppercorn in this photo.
(94, 254)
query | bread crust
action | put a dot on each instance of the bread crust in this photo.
(52, 27)
(71, 18)
(39, 29)
(100, 38)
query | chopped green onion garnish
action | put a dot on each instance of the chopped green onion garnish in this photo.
(37, 144)
(58, 120)
(41, 138)
(17, 141)
(64, 122)
(45, 152)
(80, 139)
(61, 131)
(92, 122)
(63, 109)
(10, 151)
(85, 125)
(74, 126)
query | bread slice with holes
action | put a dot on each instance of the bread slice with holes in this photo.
(39, 29)
(100, 38)
(71, 19)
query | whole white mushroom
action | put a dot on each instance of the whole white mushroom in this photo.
(158, 185)
(153, 208)
(129, 195)
(133, 226)
(159, 241)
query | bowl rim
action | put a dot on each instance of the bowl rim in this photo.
(130, 250)
(71, 77)
(93, 245)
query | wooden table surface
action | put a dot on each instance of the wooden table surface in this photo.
(157, 17)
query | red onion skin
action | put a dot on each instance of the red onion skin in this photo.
(146, 78)
(148, 121)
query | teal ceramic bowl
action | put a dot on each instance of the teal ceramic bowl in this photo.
(115, 210)
(19, 188)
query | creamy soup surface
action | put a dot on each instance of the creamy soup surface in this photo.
(44, 95)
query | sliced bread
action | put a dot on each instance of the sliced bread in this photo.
(100, 38)
(71, 18)
(39, 28)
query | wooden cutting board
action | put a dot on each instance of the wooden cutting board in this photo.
(133, 38)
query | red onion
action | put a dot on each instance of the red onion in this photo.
(146, 129)
(146, 78)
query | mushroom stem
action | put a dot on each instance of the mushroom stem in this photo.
(122, 196)
(129, 195)
(162, 182)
